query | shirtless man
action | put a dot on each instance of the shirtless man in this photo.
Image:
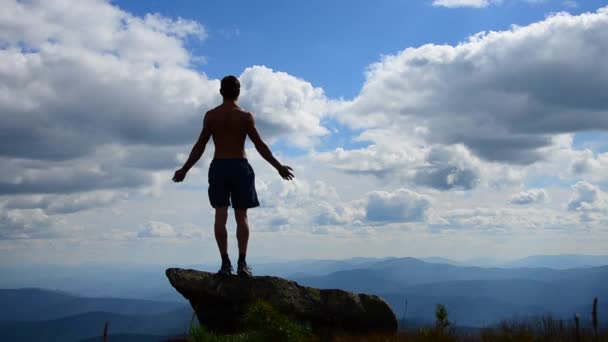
(231, 178)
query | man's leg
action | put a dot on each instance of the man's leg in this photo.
(221, 237)
(242, 236)
(242, 230)
(221, 234)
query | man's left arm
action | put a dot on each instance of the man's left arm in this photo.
(197, 151)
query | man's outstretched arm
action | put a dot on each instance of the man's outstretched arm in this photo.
(263, 149)
(195, 154)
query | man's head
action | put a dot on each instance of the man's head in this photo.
(230, 88)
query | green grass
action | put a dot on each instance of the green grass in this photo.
(262, 323)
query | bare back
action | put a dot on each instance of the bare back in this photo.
(228, 125)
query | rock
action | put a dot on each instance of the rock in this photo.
(221, 302)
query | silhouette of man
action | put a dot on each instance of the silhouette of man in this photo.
(231, 178)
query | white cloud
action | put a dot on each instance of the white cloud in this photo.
(85, 84)
(438, 167)
(400, 206)
(449, 167)
(589, 165)
(587, 197)
(64, 204)
(461, 3)
(332, 214)
(284, 105)
(532, 196)
(570, 4)
(490, 92)
(376, 207)
(95, 98)
(30, 224)
(156, 229)
(494, 220)
(486, 3)
(98, 105)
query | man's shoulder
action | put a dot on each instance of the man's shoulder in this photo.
(243, 113)
(247, 114)
(220, 111)
(214, 110)
(241, 110)
(209, 114)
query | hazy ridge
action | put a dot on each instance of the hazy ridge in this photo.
(140, 304)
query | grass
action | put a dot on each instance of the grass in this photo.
(262, 323)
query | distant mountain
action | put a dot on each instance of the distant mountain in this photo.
(472, 311)
(562, 284)
(559, 261)
(39, 305)
(313, 267)
(477, 295)
(359, 280)
(439, 260)
(483, 262)
(48, 315)
(124, 281)
(89, 325)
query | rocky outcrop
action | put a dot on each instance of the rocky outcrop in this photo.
(221, 302)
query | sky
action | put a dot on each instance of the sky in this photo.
(455, 128)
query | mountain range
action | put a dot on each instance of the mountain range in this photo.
(73, 303)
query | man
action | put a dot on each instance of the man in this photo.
(231, 178)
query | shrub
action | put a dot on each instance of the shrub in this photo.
(262, 323)
(269, 324)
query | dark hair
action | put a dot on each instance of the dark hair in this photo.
(231, 87)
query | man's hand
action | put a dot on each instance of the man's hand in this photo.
(179, 175)
(285, 172)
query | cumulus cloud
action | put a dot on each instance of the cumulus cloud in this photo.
(373, 160)
(590, 165)
(503, 220)
(503, 95)
(586, 197)
(339, 214)
(97, 102)
(95, 98)
(532, 196)
(64, 204)
(82, 85)
(29, 224)
(449, 167)
(156, 229)
(400, 206)
(97, 75)
(27, 177)
(284, 105)
(437, 166)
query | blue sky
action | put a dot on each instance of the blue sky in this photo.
(453, 128)
(330, 43)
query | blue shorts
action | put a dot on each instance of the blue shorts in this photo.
(232, 180)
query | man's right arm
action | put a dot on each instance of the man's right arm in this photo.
(264, 150)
